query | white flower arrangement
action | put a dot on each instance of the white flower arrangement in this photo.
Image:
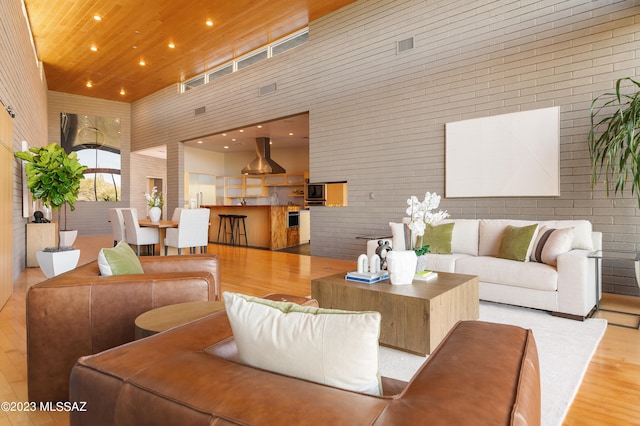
(155, 199)
(422, 214)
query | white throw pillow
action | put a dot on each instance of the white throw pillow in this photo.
(582, 231)
(331, 347)
(550, 244)
(465, 236)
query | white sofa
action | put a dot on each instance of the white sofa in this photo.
(568, 289)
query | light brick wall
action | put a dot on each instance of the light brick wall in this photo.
(22, 88)
(377, 117)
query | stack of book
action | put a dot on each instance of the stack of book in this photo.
(367, 277)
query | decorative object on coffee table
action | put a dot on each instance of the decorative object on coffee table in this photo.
(421, 214)
(401, 265)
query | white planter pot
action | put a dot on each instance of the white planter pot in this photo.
(155, 213)
(55, 263)
(401, 265)
(67, 238)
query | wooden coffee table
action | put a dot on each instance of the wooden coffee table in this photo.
(166, 317)
(415, 317)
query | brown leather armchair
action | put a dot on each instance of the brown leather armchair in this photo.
(481, 374)
(81, 313)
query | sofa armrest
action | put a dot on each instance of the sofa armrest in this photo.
(576, 283)
(494, 365)
(196, 262)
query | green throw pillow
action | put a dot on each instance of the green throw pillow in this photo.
(119, 260)
(517, 242)
(439, 238)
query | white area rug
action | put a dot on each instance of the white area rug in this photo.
(565, 348)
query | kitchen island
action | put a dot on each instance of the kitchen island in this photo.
(266, 225)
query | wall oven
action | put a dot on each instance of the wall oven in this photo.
(293, 219)
(315, 194)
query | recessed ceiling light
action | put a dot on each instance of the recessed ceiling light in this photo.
(93, 48)
(226, 147)
(241, 131)
(172, 46)
(233, 140)
(89, 84)
(142, 62)
(209, 23)
(122, 92)
(290, 134)
(224, 134)
(259, 126)
(97, 17)
(199, 141)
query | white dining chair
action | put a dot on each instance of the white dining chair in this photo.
(117, 225)
(138, 235)
(192, 231)
(176, 214)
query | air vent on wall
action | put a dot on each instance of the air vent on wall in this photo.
(404, 45)
(269, 88)
(201, 110)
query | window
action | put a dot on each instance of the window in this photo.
(227, 69)
(252, 59)
(265, 52)
(289, 43)
(191, 84)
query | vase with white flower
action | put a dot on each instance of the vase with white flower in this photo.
(155, 202)
(421, 214)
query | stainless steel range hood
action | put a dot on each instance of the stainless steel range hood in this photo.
(263, 164)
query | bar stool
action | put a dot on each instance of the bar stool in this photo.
(238, 232)
(225, 219)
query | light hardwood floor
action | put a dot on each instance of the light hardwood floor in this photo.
(608, 395)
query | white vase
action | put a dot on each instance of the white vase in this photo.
(56, 262)
(401, 265)
(422, 263)
(155, 213)
(67, 238)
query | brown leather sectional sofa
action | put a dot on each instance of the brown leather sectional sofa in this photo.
(80, 313)
(481, 374)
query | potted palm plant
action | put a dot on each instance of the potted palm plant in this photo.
(53, 176)
(614, 137)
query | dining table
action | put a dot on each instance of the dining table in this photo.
(162, 226)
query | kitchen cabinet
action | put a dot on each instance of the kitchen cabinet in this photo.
(266, 225)
(245, 186)
(294, 181)
(284, 179)
(337, 195)
(293, 237)
(305, 226)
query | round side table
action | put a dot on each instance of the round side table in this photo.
(166, 317)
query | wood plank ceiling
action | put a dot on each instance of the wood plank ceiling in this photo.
(133, 30)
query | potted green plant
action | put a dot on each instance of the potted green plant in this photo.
(614, 137)
(53, 176)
